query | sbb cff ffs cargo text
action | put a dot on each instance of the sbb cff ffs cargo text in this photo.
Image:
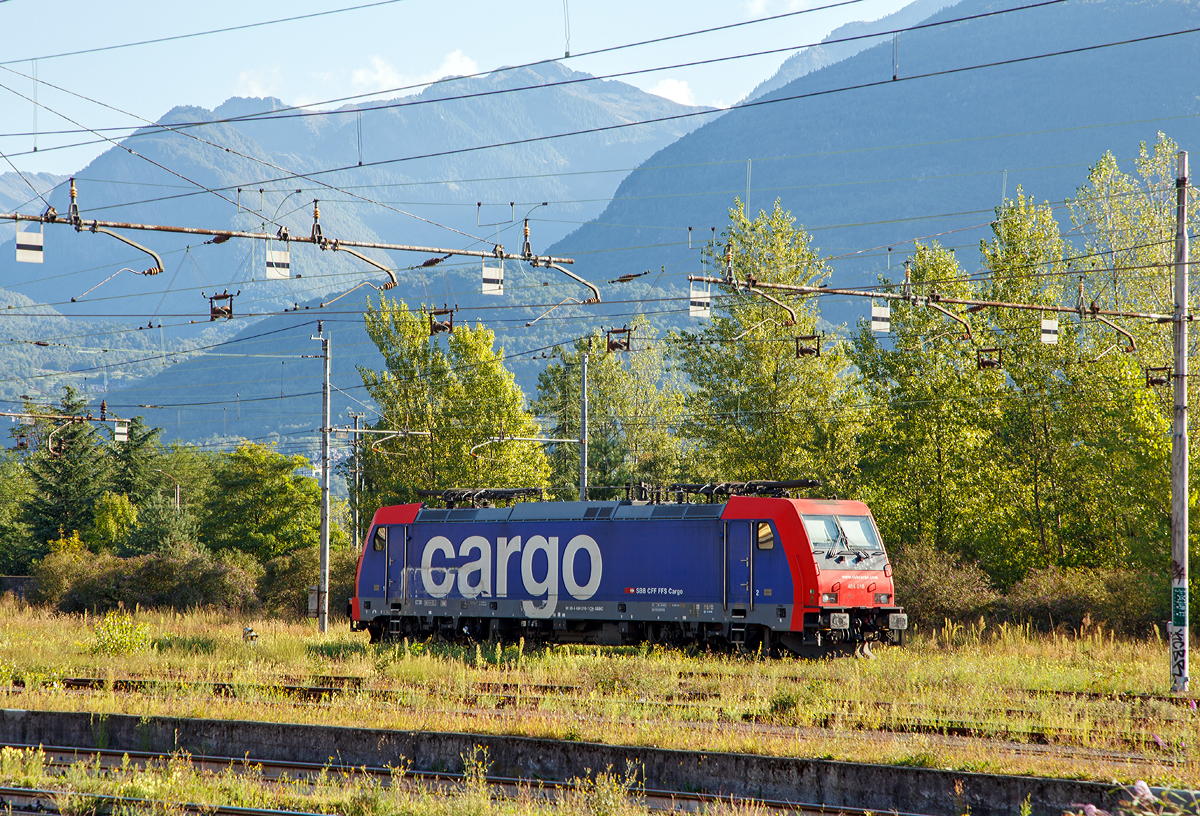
(807, 575)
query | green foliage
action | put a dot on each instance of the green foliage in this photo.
(135, 462)
(283, 586)
(161, 526)
(459, 393)
(264, 507)
(925, 466)
(113, 519)
(1059, 459)
(117, 633)
(935, 586)
(180, 579)
(755, 410)
(1132, 602)
(17, 547)
(633, 404)
(53, 574)
(69, 469)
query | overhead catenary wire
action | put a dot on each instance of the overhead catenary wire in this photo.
(177, 37)
(303, 112)
(609, 49)
(292, 174)
(754, 104)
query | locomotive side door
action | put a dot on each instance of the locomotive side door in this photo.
(397, 551)
(737, 562)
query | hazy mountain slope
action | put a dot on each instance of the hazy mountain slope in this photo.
(886, 164)
(807, 60)
(121, 186)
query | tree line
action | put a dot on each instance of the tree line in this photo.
(99, 519)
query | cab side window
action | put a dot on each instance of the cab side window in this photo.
(380, 539)
(766, 537)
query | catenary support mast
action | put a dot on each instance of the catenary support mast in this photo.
(1179, 444)
(583, 429)
(323, 581)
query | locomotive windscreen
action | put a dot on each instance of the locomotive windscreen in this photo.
(852, 532)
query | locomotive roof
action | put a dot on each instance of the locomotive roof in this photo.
(573, 511)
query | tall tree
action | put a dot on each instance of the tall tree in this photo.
(69, 470)
(634, 403)
(757, 410)
(924, 460)
(1078, 427)
(136, 460)
(17, 549)
(456, 393)
(264, 506)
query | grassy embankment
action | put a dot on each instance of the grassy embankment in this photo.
(903, 708)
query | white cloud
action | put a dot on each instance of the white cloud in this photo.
(378, 77)
(676, 90)
(259, 83)
(382, 76)
(754, 9)
(456, 63)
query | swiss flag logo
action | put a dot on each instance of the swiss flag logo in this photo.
(629, 591)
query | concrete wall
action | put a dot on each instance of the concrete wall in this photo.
(877, 787)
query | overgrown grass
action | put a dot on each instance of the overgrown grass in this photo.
(163, 786)
(995, 683)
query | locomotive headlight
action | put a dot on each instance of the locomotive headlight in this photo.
(829, 597)
(883, 598)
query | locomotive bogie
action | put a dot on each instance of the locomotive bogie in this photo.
(742, 574)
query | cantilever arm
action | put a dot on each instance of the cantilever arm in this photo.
(158, 264)
(492, 439)
(952, 316)
(1132, 343)
(552, 308)
(595, 292)
(791, 312)
(336, 247)
(355, 289)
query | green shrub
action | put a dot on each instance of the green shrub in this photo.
(55, 573)
(176, 578)
(117, 633)
(932, 586)
(1127, 601)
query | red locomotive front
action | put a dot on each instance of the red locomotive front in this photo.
(844, 598)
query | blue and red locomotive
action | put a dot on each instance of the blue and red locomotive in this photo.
(807, 575)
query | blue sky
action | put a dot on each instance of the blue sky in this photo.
(359, 51)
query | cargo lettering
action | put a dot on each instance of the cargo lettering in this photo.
(540, 574)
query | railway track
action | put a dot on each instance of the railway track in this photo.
(47, 801)
(513, 698)
(60, 758)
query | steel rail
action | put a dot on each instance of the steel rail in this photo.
(515, 698)
(29, 800)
